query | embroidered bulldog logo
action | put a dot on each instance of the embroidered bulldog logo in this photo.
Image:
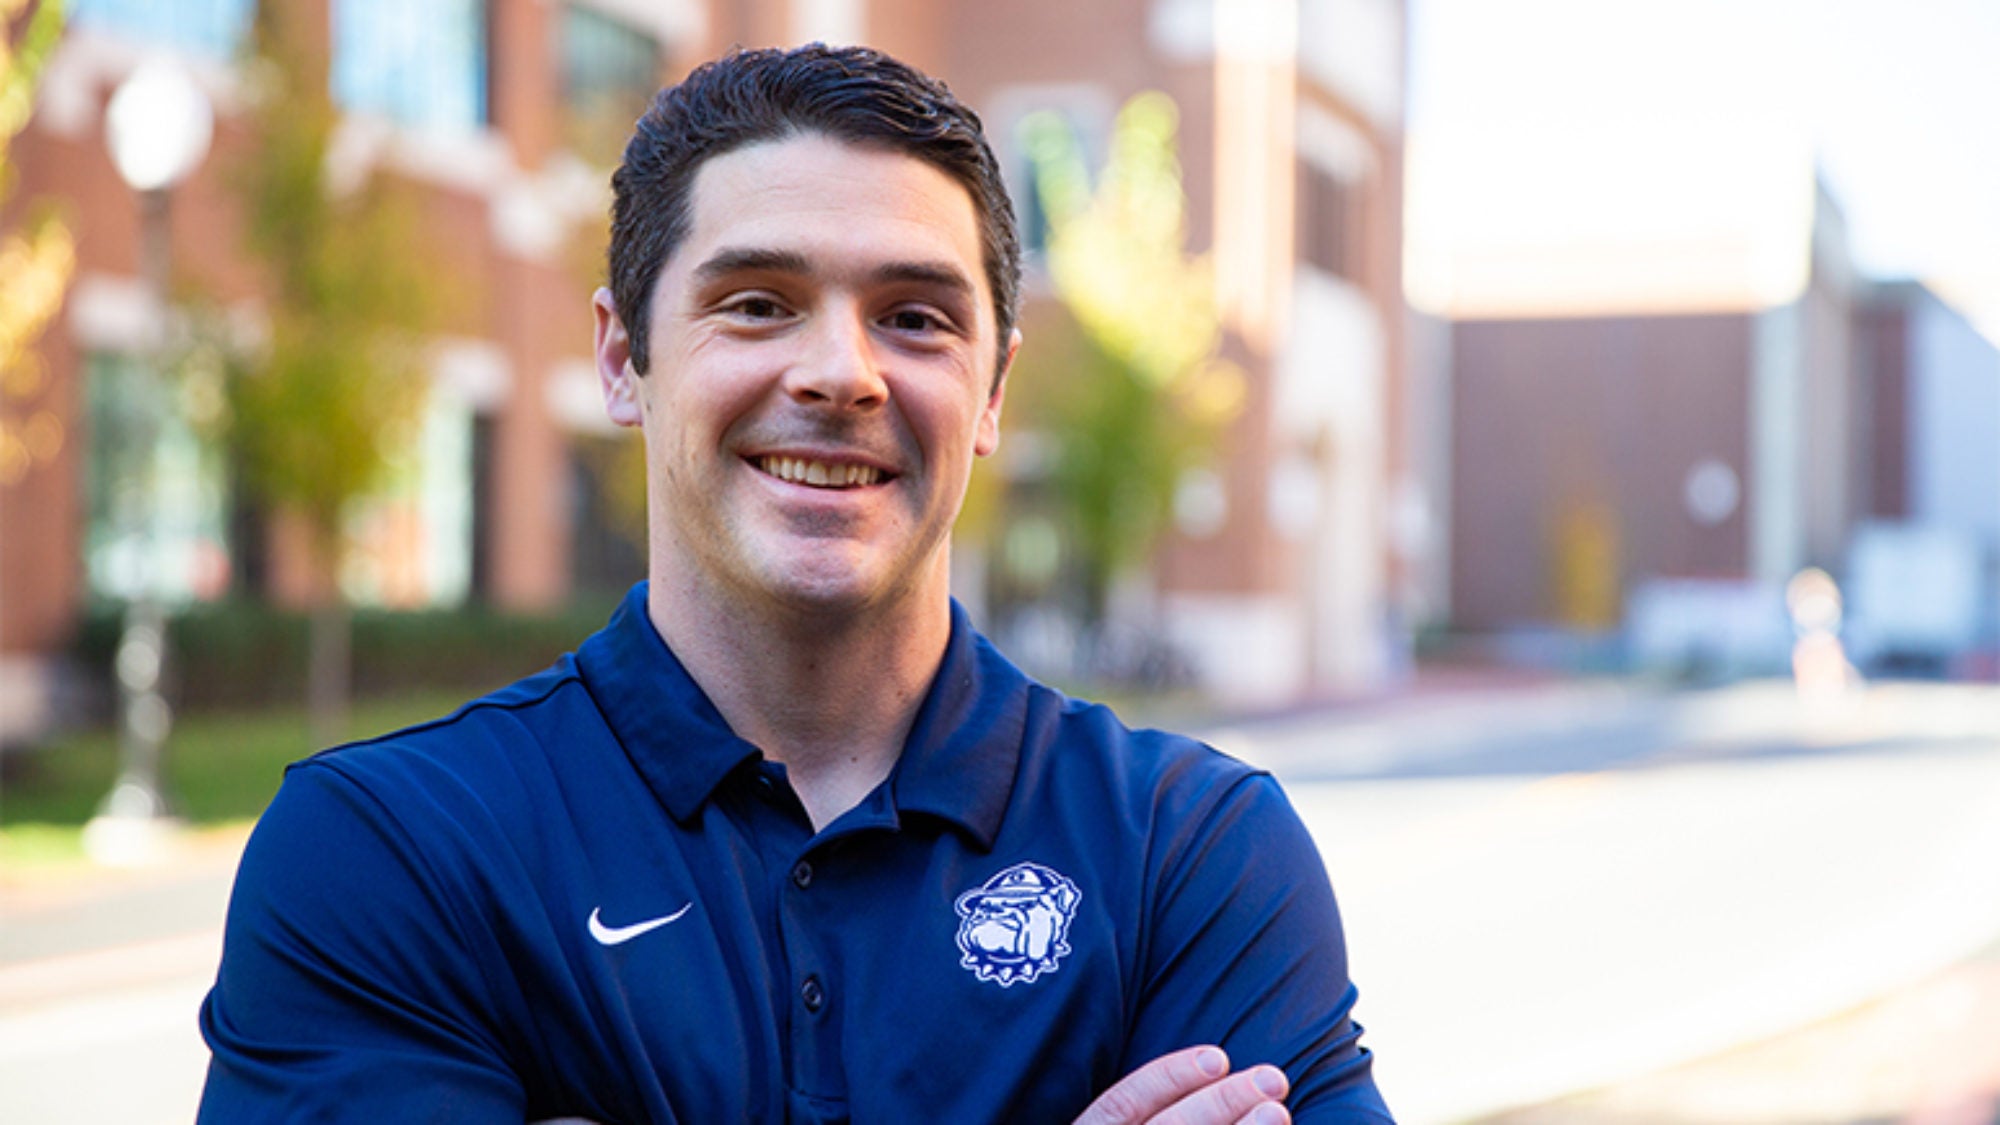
(1016, 926)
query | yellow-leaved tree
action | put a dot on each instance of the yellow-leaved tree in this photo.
(1151, 394)
(36, 258)
(316, 415)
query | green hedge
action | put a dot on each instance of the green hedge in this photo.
(246, 654)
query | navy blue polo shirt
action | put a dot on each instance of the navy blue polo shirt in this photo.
(585, 895)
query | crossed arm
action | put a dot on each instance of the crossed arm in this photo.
(1189, 1087)
(1193, 1087)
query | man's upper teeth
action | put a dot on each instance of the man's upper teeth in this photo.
(822, 474)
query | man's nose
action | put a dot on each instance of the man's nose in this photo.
(839, 367)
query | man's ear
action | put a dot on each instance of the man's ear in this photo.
(988, 438)
(615, 374)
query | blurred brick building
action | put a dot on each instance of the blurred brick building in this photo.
(1658, 458)
(1603, 447)
(1933, 383)
(508, 115)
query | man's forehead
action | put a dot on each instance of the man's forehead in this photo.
(765, 186)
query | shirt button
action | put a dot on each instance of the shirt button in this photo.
(802, 874)
(813, 994)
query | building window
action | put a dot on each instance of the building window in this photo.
(419, 64)
(1031, 217)
(610, 71)
(1063, 127)
(215, 28)
(156, 495)
(607, 513)
(1054, 140)
(485, 495)
(410, 545)
(1326, 223)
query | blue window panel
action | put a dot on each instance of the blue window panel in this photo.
(216, 28)
(419, 64)
(610, 71)
(155, 495)
(606, 57)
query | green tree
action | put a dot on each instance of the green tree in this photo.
(36, 260)
(314, 418)
(1147, 394)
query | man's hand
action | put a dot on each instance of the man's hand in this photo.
(1193, 1087)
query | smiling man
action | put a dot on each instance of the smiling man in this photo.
(788, 840)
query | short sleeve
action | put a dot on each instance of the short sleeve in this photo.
(1246, 950)
(351, 986)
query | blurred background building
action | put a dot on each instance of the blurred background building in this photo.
(1279, 579)
(1667, 385)
(1645, 384)
(1605, 448)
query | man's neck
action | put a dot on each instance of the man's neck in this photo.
(832, 696)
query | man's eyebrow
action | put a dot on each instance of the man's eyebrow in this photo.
(750, 259)
(926, 273)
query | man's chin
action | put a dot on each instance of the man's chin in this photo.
(830, 585)
(821, 586)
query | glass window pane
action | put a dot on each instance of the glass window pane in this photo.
(419, 64)
(610, 72)
(155, 493)
(208, 27)
(1325, 219)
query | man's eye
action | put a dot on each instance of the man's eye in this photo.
(756, 308)
(914, 320)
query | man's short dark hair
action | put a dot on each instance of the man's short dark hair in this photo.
(852, 94)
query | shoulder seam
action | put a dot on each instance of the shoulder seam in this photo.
(1205, 822)
(486, 702)
(1171, 865)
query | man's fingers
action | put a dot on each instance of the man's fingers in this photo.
(1157, 1086)
(1270, 1113)
(1193, 1087)
(1252, 1097)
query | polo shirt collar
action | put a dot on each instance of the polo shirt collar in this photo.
(958, 763)
(677, 740)
(960, 758)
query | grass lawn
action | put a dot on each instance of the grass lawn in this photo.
(219, 768)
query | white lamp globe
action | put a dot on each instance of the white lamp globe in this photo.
(159, 124)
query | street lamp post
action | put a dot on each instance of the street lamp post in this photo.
(158, 124)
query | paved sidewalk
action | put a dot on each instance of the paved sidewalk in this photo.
(1594, 883)
(1924, 1055)
(72, 930)
(102, 971)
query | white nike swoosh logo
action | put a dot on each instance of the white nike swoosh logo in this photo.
(617, 935)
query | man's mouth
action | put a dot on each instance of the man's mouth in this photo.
(820, 474)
